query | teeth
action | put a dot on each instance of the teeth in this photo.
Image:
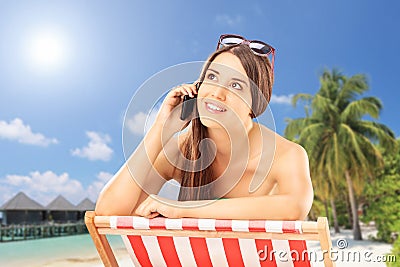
(214, 107)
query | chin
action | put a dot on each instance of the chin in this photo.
(210, 123)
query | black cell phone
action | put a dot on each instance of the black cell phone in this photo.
(188, 104)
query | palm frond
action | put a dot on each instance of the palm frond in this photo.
(355, 85)
(336, 136)
(302, 97)
(358, 108)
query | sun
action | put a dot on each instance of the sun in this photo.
(47, 50)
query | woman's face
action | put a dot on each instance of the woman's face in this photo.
(224, 96)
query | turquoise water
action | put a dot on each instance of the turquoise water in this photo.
(41, 251)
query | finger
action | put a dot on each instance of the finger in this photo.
(140, 210)
(191, 89)
(194, 87)
(151, 212)
(152, 215)
(143, 211)
(185, 90)
(177, 90)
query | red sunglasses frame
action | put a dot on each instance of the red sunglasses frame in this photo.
(248, 42)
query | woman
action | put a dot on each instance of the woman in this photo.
(249, 171)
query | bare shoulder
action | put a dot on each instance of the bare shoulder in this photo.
(291, 174)
(290, 160)
(288, 150)
(284, 148)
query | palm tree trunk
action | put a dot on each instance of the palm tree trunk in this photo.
(356, 223)
(326, 209)
(334, 215)
(312, 215)
(350, 216)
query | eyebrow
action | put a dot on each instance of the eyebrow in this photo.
(235, 79)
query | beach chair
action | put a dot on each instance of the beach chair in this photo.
(209, 242)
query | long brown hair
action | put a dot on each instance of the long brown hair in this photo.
(258, 69)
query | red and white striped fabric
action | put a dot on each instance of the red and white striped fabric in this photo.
(200, 251)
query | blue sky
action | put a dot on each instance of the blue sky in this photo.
(68, 70)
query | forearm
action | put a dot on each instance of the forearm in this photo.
(122, 192)
(142, 160)
(275, 207)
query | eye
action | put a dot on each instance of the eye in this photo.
(211, 76)
(236, 85)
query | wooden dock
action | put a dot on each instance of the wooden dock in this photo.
(29, 232)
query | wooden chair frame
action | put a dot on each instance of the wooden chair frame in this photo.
(99, 227)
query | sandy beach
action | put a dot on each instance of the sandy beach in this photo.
(91, 260)
(87, 255)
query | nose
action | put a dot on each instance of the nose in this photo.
(219, 93)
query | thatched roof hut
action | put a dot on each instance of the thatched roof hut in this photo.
(83, 206)
(61, 210)
(21, 209)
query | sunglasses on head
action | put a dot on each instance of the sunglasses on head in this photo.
(258, 47)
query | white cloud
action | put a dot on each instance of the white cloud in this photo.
(225, 19)
(97, 148)
(141, 122)
(16, 130)
(96, 186)
(282, 99)
(42, 187)
(104, 176)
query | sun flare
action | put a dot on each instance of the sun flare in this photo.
(47, 51)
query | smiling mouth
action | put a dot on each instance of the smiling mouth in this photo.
(213, 108)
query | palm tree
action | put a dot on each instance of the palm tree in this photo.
(326, 193)
(340, 142)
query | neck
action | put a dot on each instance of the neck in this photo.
(235, 140)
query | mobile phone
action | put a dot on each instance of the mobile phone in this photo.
(188, 104)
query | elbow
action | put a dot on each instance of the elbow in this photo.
(297, 213)
(306, 207)
(302, 204)
(100, 211)
(102, 208)
(301, 214)
(110, 205)
(300, 208)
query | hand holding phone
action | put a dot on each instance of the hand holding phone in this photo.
(188, 105)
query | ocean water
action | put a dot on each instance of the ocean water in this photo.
(40, 252)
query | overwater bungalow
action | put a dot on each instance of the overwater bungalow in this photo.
(61, 210)
(21, 209)
(83, 206)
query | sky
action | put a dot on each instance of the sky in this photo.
(69, 69)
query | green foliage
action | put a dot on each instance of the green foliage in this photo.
(383, 199)
(317, 210)
(342, 214)
(396, 253)
(341, 141)
(336, 135)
